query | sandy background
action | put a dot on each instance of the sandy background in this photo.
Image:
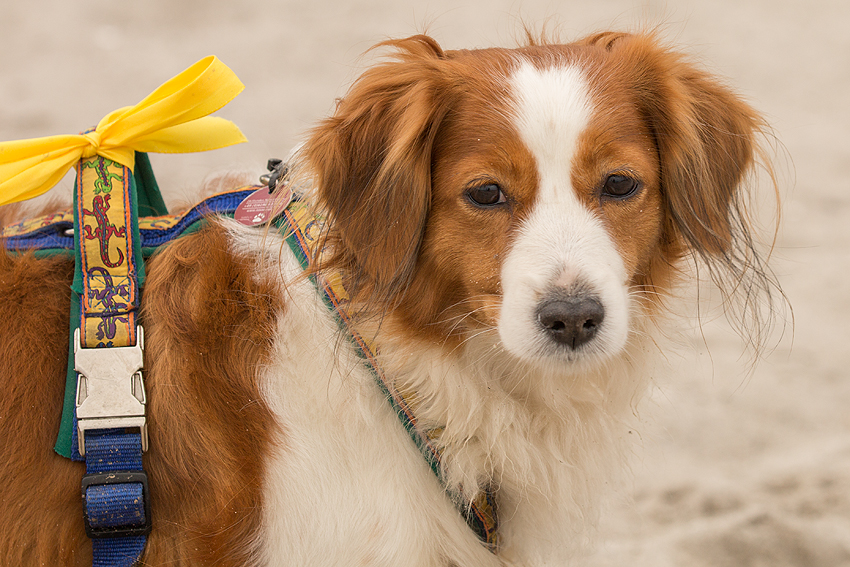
(732, 470)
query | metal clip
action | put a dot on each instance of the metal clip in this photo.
(110, 389)
(278, 172)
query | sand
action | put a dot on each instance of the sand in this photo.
(731, 467)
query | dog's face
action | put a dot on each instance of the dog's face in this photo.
(542, 194)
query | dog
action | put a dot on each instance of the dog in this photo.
(508, 225)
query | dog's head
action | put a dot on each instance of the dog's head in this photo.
(546, 192)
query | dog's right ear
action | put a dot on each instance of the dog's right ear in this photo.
(371, 163)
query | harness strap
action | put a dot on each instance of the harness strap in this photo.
(117, 502)
(53, 234)
(110, 401)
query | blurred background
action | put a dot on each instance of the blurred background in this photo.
(731, 467)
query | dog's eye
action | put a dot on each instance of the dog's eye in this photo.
(620, 186)
(486, 195)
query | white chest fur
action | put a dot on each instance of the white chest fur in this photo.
(346, 485)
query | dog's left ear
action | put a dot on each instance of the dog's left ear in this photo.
(372, 165)
(706, 139)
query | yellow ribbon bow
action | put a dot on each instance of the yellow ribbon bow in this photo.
(172, 119)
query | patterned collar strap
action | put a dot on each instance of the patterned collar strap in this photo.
(110, 270)
(303, 229)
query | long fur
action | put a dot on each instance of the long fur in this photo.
(270, 442)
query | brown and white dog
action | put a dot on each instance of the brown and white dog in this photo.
(508, 223)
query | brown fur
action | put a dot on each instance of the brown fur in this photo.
(33, 356)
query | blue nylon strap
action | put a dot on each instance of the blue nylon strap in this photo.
(221, 204)
(113, 450)
(115, 505)
(56, 238)
(117, 552)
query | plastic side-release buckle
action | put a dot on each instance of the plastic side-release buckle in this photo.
(110, 389)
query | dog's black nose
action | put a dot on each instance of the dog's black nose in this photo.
(571, 321)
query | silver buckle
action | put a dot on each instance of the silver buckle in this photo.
(110, 389)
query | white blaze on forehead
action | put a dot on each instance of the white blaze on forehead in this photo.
(552, 109)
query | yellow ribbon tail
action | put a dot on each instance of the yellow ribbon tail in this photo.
(203, 134)
(172, 119)
(29, 168)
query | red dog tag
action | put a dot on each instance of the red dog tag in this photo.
(261, 206)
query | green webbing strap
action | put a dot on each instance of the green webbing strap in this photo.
(66, 438)
(147, 190)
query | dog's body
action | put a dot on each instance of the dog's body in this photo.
(507, 223)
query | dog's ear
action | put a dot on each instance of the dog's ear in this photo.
(372, 165)
(708, 142)
(706, 138)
